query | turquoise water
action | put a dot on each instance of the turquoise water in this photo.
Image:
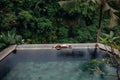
(68, 70)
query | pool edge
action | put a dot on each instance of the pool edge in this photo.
(7, 51)
(11, 48)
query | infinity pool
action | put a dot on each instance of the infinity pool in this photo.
(51, 64)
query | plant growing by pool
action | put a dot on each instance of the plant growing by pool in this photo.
(9, 38)
(110, 39)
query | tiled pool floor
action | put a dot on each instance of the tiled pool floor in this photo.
(68, 70)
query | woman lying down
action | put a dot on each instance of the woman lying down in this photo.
(60, 46)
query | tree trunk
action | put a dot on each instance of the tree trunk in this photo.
(100, 20)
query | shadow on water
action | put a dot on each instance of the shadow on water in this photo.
(70, 53)
(94, 53)
(86, 54)
(5, 67)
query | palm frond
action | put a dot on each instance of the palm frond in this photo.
(61, 3)
(106, 35)
(103, 40)
(106, 7)
(98, 2)
(94, 1)
(113, 20)
(114, 38)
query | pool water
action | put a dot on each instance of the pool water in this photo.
(68, 70)
(50, 64)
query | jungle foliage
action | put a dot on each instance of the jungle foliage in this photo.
(45, 21)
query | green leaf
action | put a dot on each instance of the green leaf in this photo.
(111, 34)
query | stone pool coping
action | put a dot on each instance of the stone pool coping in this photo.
(108, 48)
(7, 51)
(11, 48)
(50, 46)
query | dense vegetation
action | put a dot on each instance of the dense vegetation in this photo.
(44, 21)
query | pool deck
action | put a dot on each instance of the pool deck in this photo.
(11, 48)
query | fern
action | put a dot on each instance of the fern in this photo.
(10, 38)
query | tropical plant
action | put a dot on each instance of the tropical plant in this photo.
(45, 30)
(25, 17)
(2, 46)
(109, 39)
(36, 20)
(76, 9)
(8, 21)
(104, 6)
(10, 38)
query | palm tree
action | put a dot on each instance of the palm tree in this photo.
(104, 6)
